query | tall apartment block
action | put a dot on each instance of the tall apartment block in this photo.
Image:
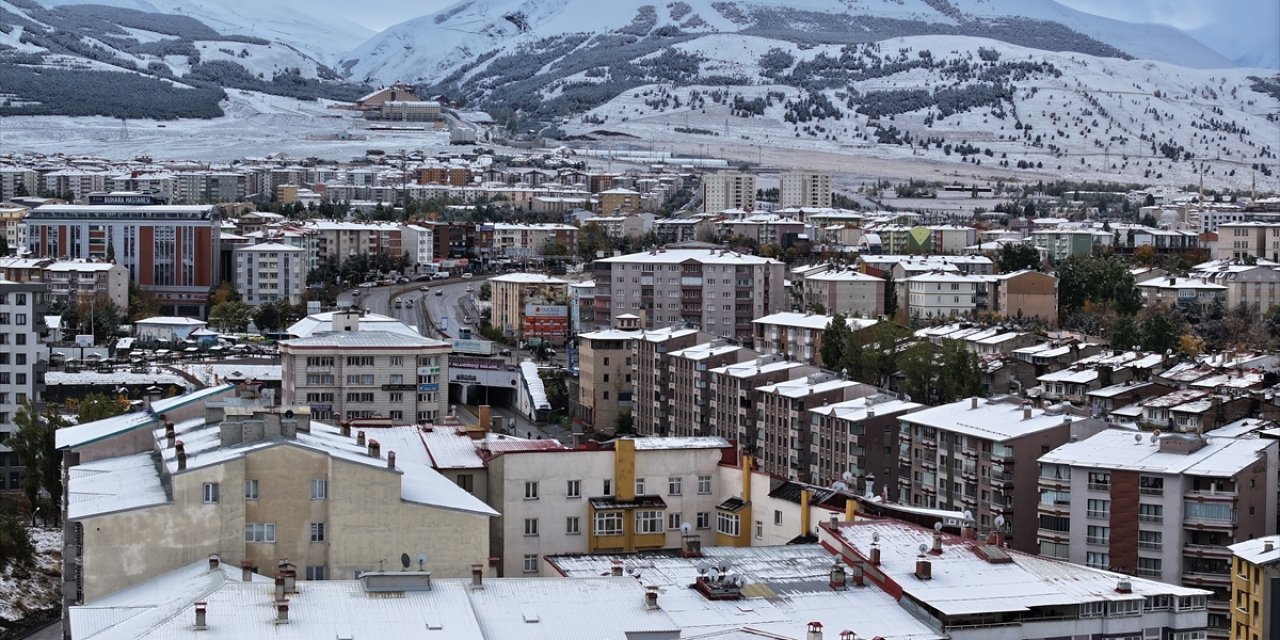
(784, 421)
(1162, 506)
(652, 377)
(804, 189)
(170, 250)
(858, 437)
(717, 290)
(23, 361)
(722, 191)
(735, 394)
(977, 455)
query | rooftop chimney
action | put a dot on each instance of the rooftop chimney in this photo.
(214, 561)
(201, 622)
(937, 543)
(181, 451)
(848, 635)
(279, 586)
(616, 570)
(477, 576)
(375, 449)
(282, 611)
(858, 578)
(815, 631)
(346, 429)
(170, 436)
(1026, 412)
(651, 598)
(924, 568)
(359, 438)
(1124, 586)
(875, 555)
(839, 581)
(246, 571)
(391, 460)
(973, 402)
(1268, 546)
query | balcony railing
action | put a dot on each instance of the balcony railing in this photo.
(1099, 486)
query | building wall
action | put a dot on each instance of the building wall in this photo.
(802, 189)
(722, 191)
(1255, 600)
(1029, 295)
(605, 376)
(418, 365)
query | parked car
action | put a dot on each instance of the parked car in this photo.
(466, 275)
(424, 288)
(399, 304)
(439, 292)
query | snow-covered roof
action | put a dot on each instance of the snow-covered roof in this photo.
(364, 339)
(863, 408)
(79, 266)
(214, 372)
(1174, 283)
(263, 247)
(965, 583)
(90, 432)
(1257, 552)
(537, 389)
(843, 275)
(990, 419)
(154, 376)
(1221, 456)
(166, 321)
(755, 367)
(528, 278)
(323, 323)
(811, 321)
(703, 256)
(690, 442)
(802, 387)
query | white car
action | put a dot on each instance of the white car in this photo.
(466, 275)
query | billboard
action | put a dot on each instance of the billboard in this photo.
(84, 341)
(546, 311)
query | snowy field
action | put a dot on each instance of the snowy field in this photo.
(24, 590)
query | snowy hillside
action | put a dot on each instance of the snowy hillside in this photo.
(311, 32)
(430, 47)
(959, 101)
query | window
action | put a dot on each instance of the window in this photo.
(1215, 511)
(397, 361)
(649, 522)
(1153, 540)
(531, 490)
(465, 481)
(260, 532)
(704, 485)
(728, 523)
(320, 361)
(704, 520)
(1099, 535)
(317, 532)
(352, 378)
(574, 489)
(1099, 481)
(1150, 513)
(1149, 486)
(530, 527)
(530, 563)
(1060, 551)
(674, 486)
(777, 517)
(1092, 609)
(1120, 608)
(250, 489)
(210, 493)
(572, 526)
(608, 523)
(359, 361)
(759, 529)
(607, 488)
(1097, 560)
(319, 489)
(315, 572)
(1149, 567)
(673, 520)
(1099, 508)
(639, 486)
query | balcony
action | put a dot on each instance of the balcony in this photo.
(1211, 495)
(1002, 480)
(1100, 486)
(929, 444)
(1206, 550)
(969, 452)
(1201, 579)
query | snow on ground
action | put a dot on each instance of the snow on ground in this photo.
(256, 124)
(264, 60)
(14, 39)
(27, 589)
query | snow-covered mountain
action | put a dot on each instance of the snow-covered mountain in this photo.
(430, 47)
(313, 33)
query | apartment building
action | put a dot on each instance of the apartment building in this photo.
(617, 227)
(762, 229)
(1255, 586)
(1175, 291)
(1025, 294)
(786, 427)
(631, 495)
(419, 242)
(688, 394)
(804, 189)
(974, 455)
(735, 395)
(605, 379)
(170, 250)
(270, 272)
(1161, 506)
(367, 377)
(653, 374)
(718, 290)
(1240, 240)
(1056, 245)
(210, 187)
(845, 291)
(798, 336)
(858, 437)
(17, 182)
(729, 190)
(23, 362)
(512, 295)
(221, 472)
(341, 240)
(80, 281)
(943, 295)
(530, 240)
(613, 201)
(12, 226)
(1253, 285)
(73, 184)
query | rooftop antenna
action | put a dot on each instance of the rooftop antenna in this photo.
(422, 561)
(686, 528)
(380, 563)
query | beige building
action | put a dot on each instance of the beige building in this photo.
(221, 472)
(12, 227)
(270, 272)
(785, 423)
(512, 240)
(804, 189)
(688, 393)
(976, 455)
(1253, 285)
(1164, 507)
(605, 385)
(798, 336)
(1026, 294)
(653, 373)
(735, 394)
(76, 280)
(1240, 240)
(845, 291)
(728, 190)
(1255, 585)
(376, 378)
(341, 240)
(614, 201)
(510, 293)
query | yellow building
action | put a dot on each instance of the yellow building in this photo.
(1255, 589)
(221, 471)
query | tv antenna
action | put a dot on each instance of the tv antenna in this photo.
(422, 561)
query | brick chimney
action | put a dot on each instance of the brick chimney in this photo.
(924, 568)
(282, 611)
(246, 571)
(181, 452)
(375, 449)
(814, 632)
(360, 438)
(391, 460)
(214, 561)
(858, 579)
(201, 620)
(345, 428)
(279, 586)
(616, 570)
(170, 436)
(839, 581)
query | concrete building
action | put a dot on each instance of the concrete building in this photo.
(1161, 506)
(798, 336)
(1256, 286)
(785, 447)
(762, 229)
(1026, 294)
(524, 241)
(858, 437)
(613, 201)
(170, 250)
(341, 240)
(721, 191)
(367, 377)
(222, 472)
(1175, 291)
(270, 272)
(943, 295)
(735, 394)
(521, 302)
(24, 358)
(804, 189)
(419, 242)
(1255, 589)
(74, 281)
(719, 291)
(845, 291)
(605, 385)
(652, 398)
(687, 410)
(974, 455)
(1240, 240)
(12, 226)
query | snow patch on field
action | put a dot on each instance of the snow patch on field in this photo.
(27, 589)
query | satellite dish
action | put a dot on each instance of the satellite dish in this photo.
(702, 569)
(288, 414)
(404, 560)
(724, 567)
(846, 476)
(686, 528)
(422, 560)
(968, 515)
(875, 537)
(1000, 522)
(1137, 437)
(923, 547)
(839, 485)
(937, 526)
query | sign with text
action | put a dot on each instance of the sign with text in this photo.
(546, 310)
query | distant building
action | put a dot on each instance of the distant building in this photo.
(804, 189)
(79, 281)
(398, 91)
(23, 362)
(722, 191)
(270, 272)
